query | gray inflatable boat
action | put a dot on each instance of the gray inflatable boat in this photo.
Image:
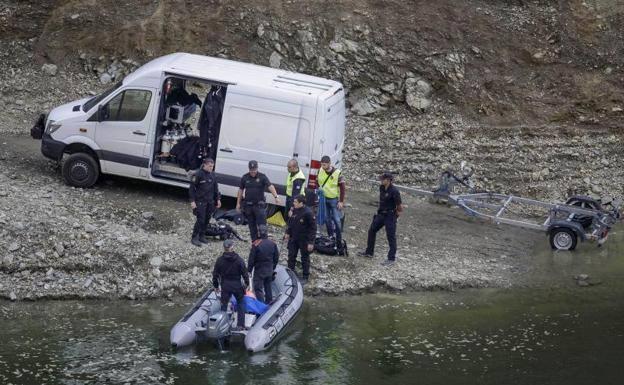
(205, 320)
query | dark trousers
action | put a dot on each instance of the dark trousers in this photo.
(287, 207)
(333, 219)
(263, 289)
(226, 293)
(256, 215)
(389, 220)
(294, 245)
(203, 212)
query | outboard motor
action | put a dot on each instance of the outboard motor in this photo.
(219, 326)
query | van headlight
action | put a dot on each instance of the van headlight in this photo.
(52, 127)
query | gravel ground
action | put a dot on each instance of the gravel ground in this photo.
(130, 239)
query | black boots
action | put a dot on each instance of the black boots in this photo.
(196, 241)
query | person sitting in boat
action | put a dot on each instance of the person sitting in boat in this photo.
(263, 259)
(228, 276)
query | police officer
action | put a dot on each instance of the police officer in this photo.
(390, 208)
(251, 195)
(331, 182)
(295, 183)
(263, 259)
(227, 274)
(300, 234)
(205, 197)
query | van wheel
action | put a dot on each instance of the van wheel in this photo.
(80, 170)
(562, 238)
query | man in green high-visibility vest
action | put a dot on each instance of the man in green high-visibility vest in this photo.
(295, 184)
(331, 182)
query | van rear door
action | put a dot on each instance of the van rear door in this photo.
(333, 121)
(262, 125)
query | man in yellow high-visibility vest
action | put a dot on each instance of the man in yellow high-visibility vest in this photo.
(331, 182)
(295, 184)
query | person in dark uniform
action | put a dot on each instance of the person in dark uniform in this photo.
(205, 198)
(390, 208)
(251, 195)
(227, 274)
(300, 234)
(263, 259)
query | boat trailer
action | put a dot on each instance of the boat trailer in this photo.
(579, 218)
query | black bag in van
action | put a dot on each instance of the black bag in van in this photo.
(327, 245)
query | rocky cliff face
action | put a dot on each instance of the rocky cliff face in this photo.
(502, 62)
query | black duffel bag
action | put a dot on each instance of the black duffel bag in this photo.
(327, 245)
(230, 215)
(222, 231)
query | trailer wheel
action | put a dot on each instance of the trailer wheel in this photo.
(80, 170)
(562, 238)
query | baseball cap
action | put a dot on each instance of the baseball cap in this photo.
(228, 243)
(386, 175)
(208, 160)
(253, 164)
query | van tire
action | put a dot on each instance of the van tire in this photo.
(80, 170)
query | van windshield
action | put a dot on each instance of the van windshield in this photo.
(96, 99)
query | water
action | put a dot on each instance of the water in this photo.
(556, 334)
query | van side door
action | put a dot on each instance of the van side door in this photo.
(122, 131)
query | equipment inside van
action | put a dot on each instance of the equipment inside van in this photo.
(164, 118)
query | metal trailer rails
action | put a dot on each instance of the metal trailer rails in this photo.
(579, 218)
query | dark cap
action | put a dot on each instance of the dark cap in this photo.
(325, 159)
(386, 175)
(253, 164)
(208, 160)
(228, 243)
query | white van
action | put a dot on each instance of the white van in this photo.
(161, 120)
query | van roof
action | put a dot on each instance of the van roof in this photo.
(229, 72)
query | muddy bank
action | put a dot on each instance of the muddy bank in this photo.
(128, 239)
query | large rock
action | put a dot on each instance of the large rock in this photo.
(105, 78)
(156, 261)
(417, 94)
(365, 107)
(275, 60)
(365, 101)
(49, 69)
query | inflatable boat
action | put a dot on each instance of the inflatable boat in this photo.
(205, 321)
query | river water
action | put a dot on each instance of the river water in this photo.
(558, 333)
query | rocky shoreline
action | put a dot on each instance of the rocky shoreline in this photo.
(125, 239)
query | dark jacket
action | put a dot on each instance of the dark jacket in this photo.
(204, 187)
(228, 271)
(263, 256)
(302, 225)
(389, 200)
